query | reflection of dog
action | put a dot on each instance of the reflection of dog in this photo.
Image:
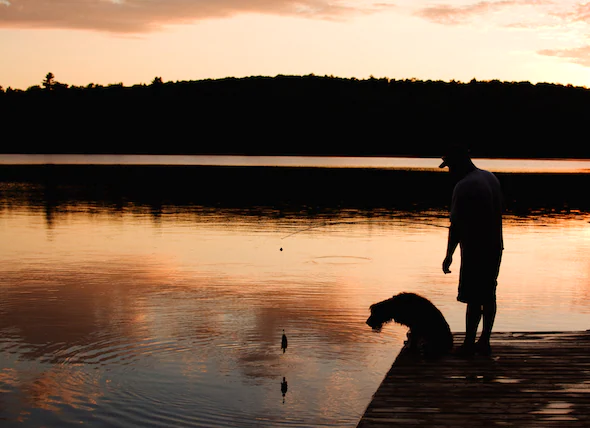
(429, 331)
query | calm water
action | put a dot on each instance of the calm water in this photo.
(495, 165)
(127, 306)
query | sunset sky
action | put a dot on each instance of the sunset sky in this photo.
(132, 41)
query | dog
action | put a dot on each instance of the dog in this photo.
(429, 332)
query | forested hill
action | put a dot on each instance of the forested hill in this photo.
(298, 115)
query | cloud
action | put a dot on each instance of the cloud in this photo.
(135, 16)
(453, 15)
(574, 14)
(581, 13)
(579, 55)
(526, 25)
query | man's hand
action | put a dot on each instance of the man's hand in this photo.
(447, 263)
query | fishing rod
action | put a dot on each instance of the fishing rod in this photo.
(329, 223)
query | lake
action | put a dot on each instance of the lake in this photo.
(156, 294)
(405, 163)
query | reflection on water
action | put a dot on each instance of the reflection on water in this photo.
(424, 164)
(121, 308)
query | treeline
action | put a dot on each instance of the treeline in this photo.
(298, 115)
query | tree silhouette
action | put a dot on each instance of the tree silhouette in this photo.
(59, 86)
(48, 82)
(323, 116)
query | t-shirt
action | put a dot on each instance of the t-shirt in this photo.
(476, 214)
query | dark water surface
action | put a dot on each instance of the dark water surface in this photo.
(157, 296)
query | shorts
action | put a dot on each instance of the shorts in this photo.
(478, 279)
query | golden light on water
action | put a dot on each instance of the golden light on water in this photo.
(126, 301)
(363, 260)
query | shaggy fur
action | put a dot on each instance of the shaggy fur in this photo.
(429, 331)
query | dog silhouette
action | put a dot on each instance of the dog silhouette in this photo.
(429, 332)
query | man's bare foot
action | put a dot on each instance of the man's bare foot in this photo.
(466, 350)
(483, 348)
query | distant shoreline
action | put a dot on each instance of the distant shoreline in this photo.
(300, 116)
(281, 187)
(497, 165)
(290, 155)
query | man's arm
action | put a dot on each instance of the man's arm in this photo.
(457, 215)
(452, 243)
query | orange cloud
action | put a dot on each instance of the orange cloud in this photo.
(134, 16)
(453, 15)
(580, 13)
(580, 55)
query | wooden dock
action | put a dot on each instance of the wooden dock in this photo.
(531, 380)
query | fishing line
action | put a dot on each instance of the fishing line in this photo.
(330, 223)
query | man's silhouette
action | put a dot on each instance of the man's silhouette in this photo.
(476, 225)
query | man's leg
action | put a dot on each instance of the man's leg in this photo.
(472, 318)
(489, 315)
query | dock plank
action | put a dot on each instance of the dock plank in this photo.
(531, 380)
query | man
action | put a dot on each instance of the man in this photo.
(476, 225)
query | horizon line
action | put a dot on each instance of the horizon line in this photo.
(312, 75)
